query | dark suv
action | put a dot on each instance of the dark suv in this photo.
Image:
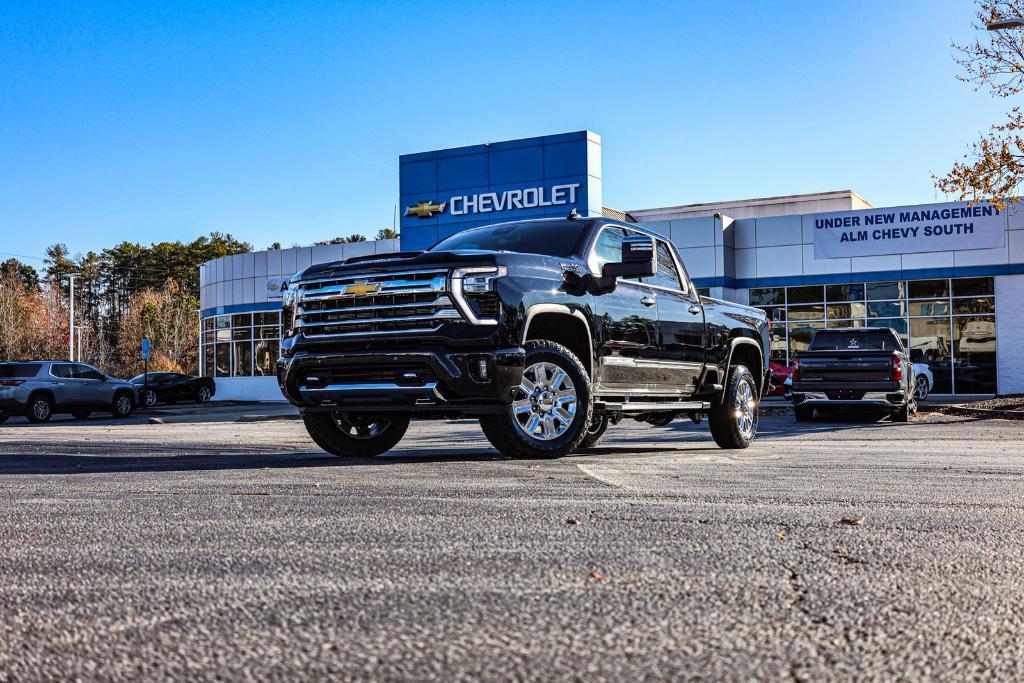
(547, 330)
(40, 389)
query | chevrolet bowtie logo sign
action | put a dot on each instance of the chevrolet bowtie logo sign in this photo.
(362, 288)
(426, 209)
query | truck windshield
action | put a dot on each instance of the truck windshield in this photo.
(882, 340)
(540, 237)
(9, 370)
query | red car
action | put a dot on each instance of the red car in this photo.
(779, 374)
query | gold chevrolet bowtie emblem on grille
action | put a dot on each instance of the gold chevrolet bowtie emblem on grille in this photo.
(426, 209)
(362, 288)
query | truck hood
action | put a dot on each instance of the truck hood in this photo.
(403, 260)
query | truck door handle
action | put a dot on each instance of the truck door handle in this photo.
(648, 301)
(695, 309)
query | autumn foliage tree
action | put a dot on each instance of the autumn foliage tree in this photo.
(994, 167)
(169, 318)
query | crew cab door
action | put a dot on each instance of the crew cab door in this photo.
(627, 319)
(681, 339)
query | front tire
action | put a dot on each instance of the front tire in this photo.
(921, 390)
(355, 435)
(203, 395)
(550, 410)
(734, 421)
(595, 432)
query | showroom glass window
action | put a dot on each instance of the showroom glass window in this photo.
(946, 324)
(241, 345)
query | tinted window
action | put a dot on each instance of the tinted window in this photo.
(668, 275)
(550, 238)
(62, 370)
(845, 292)
(768, 296)
(885, 290)
(806, 295)
(973, 286)
(85, 372)
(19, 370)
(853, 341)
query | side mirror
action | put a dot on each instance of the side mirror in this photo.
(638, 259)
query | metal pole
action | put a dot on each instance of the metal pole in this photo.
(71, 318)
(79, 328)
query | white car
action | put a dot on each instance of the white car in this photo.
(923, 381)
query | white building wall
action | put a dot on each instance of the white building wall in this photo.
(1010, 334)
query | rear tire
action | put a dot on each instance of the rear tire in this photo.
(921, 390)
(595, 432)
(40, 409)
(803, 413)
(149, 398)
(904, 413)
(203, 395)
(555, 397)
(355, 435)
(734, 421)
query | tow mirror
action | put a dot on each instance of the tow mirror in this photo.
(638, 259)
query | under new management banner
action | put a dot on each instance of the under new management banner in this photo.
(907, 229)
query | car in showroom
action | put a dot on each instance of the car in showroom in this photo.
(546, 330)
(41, 389)
(173, 387)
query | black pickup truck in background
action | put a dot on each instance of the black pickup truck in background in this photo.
(546, 330)
(850, 367)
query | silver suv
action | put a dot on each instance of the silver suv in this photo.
(39, 389)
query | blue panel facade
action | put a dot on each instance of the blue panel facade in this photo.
(448, 190)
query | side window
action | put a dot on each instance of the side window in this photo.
(85, 372)
(608, 249)
(668, 274)
(62, 370)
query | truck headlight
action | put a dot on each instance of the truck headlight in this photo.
(470, 284)
(289, 301)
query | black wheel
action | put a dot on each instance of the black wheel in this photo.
(356, 435)
(803, 413)
(734, 421)
(123, 404)
(148, 398)
(40, 409)
(595, 431)
(203, 395)
(549, 411)
(81, 414)
(921, 388)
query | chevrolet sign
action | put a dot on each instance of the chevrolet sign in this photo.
(527, 198)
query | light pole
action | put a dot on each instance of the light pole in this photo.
(1005, 22)
(71, 318)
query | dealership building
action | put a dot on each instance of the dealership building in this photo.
(949, 277)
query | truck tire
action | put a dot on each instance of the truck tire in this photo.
(734, 421)
(595, 431)
(355, 435)
(550, 410)
(803, 413)
(904, 413)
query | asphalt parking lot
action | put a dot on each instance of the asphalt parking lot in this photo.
(205, 548)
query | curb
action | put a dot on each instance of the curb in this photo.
(266, 418)
(983, 412)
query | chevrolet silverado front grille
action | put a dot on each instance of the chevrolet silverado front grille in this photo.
(374, 303)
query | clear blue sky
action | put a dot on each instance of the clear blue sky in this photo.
(284, 121)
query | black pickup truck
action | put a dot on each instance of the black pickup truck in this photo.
(851, 367)
(546, 330)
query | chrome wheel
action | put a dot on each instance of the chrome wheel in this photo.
(544, 404)
(746, 410)
(358, 427)
(922, 388)
(41, 410)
